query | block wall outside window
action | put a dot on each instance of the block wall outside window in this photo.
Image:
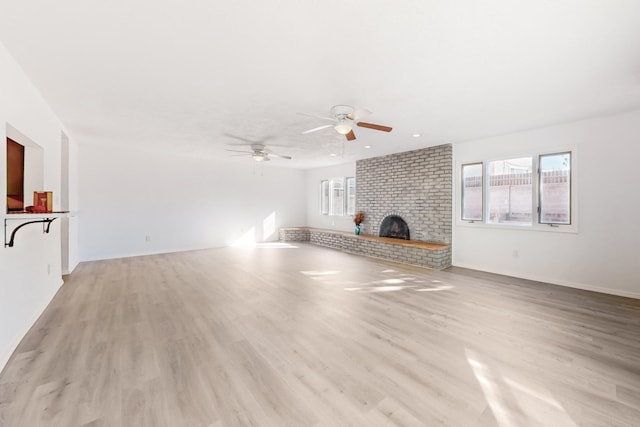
(505, 191)
(555, 188)
(510, 193)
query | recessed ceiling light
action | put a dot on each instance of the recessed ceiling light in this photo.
(333, 154)
(367, 146)
(416, 135)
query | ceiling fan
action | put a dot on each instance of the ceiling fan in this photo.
(343, 118)
(259, 153)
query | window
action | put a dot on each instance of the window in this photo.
(336, 199)
(324, 197)
(472, 192)
(338, 196)
(554, 189)
(351, 196)
(509, 195)
(518, 190)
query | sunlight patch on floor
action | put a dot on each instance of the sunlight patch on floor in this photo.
(528, 390)
(435, 289)
(320, 272)
(399, 284)
(275, 245)
(376, 289)
(513, 402)
(247, 239)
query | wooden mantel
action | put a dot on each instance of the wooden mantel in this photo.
(425, 254)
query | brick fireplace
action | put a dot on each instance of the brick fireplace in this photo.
(415, 185)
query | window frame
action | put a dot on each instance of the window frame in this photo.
(539, 207)
(462, 187)
(333, 206)
(486, 199)
(347, 188)
(329, 208)
(324, 207)
(535, 225)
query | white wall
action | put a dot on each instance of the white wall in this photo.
(604, 254)
(30, 272)
(313, 178)
(181, 203)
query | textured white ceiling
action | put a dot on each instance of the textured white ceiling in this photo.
(178, 75)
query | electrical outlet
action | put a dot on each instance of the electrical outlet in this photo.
(516, 254)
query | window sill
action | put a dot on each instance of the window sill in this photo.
(571, 229)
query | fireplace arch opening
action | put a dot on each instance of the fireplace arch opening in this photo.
(394, 226)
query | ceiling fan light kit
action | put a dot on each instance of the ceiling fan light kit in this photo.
(342, 111)
(344, 117)
(343, 127)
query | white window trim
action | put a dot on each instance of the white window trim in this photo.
(539, 195)
(347, 194)
(322, 181)
(330, 181)
(461, 189)
(332, 203)
(535, 226)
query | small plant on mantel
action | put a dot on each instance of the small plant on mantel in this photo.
(358, 217)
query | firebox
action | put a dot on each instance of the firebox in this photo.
(394, 226)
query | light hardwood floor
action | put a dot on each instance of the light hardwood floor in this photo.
(307, 336)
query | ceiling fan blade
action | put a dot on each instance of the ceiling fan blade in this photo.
(239, 138)
(280, 156)
(317, 117)
(351, 136)
(374, 126)
(240, 151)
(316, 129)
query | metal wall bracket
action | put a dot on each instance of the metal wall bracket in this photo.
(46, 225)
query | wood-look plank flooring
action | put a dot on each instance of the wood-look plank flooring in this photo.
(308, 336)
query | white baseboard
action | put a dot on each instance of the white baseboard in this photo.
(584, 287)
